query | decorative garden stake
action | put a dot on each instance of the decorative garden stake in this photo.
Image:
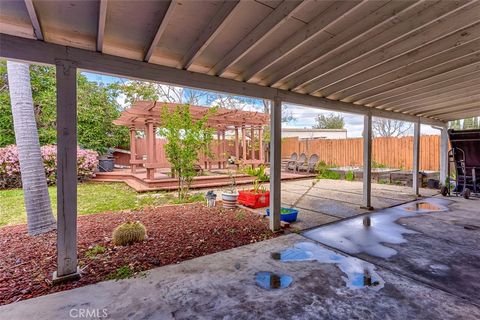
(210, 197)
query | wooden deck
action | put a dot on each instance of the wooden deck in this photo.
(162, 182)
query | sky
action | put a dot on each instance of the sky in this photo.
(304, 117)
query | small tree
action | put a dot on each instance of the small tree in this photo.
(185, 139)
(330, 121)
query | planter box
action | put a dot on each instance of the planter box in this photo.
(287, 214)
(254, 200)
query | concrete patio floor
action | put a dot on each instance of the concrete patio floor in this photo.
(325, 201)
(433, 275)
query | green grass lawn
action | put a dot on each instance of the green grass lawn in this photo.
(92, 198)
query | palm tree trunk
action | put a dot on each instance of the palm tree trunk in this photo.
(37, 201)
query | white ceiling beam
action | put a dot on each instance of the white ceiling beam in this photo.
(17, 48)
(102, 17)
(449, 78)
(278, 16)
(334, 12)
(367, 28)
(389, 45)
(161, 30)
(473, 67)
(406, 78)
(472, 112)
(37, 29)
(446, 105)
(455, 109)
(445, 49)
(214, 27)
(440, 98)
(424, 93)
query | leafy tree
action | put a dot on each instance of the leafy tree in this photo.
(185, 137)
(470, 123)
(455, 125)
(330, 121)
(135, 90)
(97, 108)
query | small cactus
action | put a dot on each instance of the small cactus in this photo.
(129, 233)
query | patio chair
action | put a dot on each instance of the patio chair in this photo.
(310, 165)
(301, 161)
(292, 162)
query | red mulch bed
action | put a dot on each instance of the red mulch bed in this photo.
(175, 233)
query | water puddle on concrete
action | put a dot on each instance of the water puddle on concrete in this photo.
(423, 206)
(271, 281)
(360, 236)
(359, 273)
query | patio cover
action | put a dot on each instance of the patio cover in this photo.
(409, 58)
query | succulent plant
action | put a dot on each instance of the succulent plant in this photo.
(129, 233)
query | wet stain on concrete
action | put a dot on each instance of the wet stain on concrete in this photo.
(424, 206)
(359, 273)
(270, 281)
(356, 236)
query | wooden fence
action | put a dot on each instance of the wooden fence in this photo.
(390, 151)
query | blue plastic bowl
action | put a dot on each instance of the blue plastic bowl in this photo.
(291, 216)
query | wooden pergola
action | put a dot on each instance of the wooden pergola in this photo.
(146, 116)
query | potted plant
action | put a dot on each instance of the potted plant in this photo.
(258, 197)
(230, 194)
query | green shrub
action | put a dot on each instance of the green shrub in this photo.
(129, 233)
(197, 197)
(378, 165)
(349, 176)
(329, 174)
(124, 272)
(92, 252)
(324, 171)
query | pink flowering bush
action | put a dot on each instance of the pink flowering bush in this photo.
(10, 165)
